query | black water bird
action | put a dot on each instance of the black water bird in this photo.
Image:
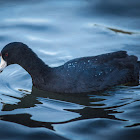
(80, 75)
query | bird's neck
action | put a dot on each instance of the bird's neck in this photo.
(35, 67)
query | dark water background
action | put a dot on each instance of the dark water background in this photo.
(60, 30)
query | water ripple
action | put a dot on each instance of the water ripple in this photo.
(59, 31)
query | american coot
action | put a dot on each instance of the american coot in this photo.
(81, 75)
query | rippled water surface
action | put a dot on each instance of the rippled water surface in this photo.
(60, 30)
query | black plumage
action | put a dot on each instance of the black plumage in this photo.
(80, 75)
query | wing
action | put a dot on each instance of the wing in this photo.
(96, 73)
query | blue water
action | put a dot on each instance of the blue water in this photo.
(60, 30)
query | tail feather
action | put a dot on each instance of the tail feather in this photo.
(139, 65)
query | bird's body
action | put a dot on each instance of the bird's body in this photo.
(81, 75)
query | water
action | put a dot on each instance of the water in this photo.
(59, 31)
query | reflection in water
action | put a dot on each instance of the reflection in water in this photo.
(82, 105)
(67, 112)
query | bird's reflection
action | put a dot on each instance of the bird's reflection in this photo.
(30, 100)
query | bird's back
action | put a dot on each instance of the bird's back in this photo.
(96, 73)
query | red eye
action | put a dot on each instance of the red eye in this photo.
(6, 54)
